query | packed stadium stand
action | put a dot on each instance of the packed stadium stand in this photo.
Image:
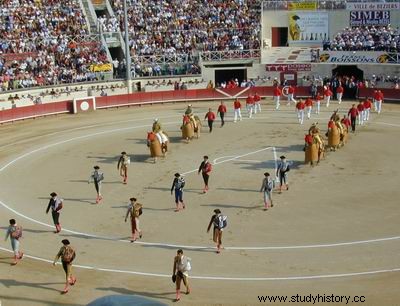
(45, 42)
(370, 38)
(59, 43)
(170, 27)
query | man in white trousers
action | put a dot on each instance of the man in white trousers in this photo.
(309, 104)
(277, 93)
(339, 93)
(375, 99)
(250, 105)
(290, 96)
(360, 108)
(367, 108)
(328, 95)
(379, 101)
(300, 110)
(318, 102)
(236, 109)
(257, 103)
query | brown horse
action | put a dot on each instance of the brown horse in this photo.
(190, 127)
(157, 148)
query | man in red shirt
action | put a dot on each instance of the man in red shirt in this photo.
(290, 95)
(379, 101)
(210, 116)
(328, 94)
(277, 96)
(360, 108)
(308, 141)
(221, 111)
(375, 98)
(346, 122)
(318, 98)
(205, 169)
(250, 105)
(300, 110)
(353, 113)
(309, 104)
(331, 124)
(236, 108)
(339, 93)
(257, 103)
(367, 108)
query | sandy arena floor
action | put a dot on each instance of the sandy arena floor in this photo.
(336, 230)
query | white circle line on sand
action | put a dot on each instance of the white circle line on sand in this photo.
(284, 278)
(229, 158)
(88, 127)
(185, 173)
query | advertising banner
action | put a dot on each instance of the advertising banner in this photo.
(357, 57)
(100, 67)
(373, 6)
(305, 6)
(288, 67)
(308, 26)
(369, 18)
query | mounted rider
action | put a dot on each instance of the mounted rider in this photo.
(156, 128)
(189, 113)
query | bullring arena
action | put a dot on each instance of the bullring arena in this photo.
(82, 81)
(334, 232)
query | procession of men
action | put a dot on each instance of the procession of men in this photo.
(278, 181)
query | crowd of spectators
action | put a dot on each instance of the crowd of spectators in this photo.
(183, 27)
(365, 38)
(39, 44)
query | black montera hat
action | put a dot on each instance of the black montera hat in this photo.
(65, 242)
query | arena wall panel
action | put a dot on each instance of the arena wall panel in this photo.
(141, 98)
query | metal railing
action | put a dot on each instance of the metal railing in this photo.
(218, 56)
(179, 58)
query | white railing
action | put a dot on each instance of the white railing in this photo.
(179, 58)
(218, 56)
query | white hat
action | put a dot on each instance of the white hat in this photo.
(156, 119)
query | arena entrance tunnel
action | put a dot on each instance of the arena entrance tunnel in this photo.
(225, 75)
(350, 71)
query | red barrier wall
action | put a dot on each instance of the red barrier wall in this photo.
(190, 95)
(33, 111)
(388, 93)
(158, 97)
